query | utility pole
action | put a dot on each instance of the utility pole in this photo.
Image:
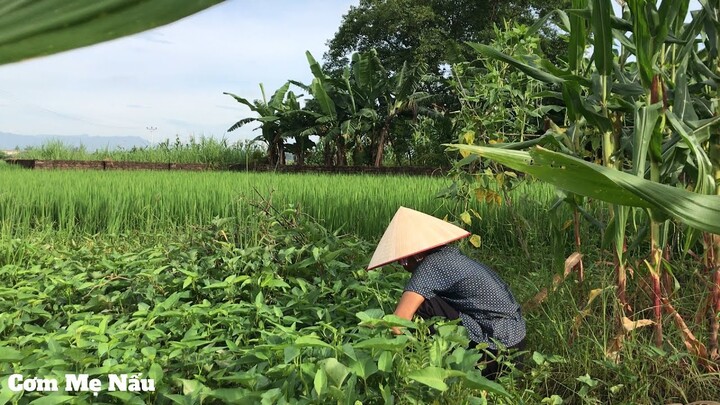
(152, 134)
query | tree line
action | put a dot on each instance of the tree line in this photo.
(385, 91)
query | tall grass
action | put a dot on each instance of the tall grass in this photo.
(91, 202)
(203, 150)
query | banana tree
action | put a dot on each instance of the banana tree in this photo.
(332, 107)
(340, 119)
(294, 121)
(359, 107)
(390, 96)
(269, 117)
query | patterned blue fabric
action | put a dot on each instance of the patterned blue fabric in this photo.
(487, 308)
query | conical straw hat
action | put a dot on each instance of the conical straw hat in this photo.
(412, 232)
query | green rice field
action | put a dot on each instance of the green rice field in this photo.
(92, 202)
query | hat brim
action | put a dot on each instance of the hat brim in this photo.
(374, 266)
(411, 232)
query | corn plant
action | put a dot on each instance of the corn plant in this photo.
(651, 110)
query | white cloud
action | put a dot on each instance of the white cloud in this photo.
(172, 77)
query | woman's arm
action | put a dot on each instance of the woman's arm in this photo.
(407, 306)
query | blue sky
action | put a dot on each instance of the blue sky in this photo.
(171, 78)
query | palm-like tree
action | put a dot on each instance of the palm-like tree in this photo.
(357, 110)
(391, 96)
(294, 121)
(269, 117)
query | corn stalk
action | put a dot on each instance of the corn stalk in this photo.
(711, 12)
(601, 14)
(713, 259)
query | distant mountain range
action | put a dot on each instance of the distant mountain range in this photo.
(11, 141)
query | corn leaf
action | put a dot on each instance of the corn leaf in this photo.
(602, 35)
(615, 22)
(643, 40)
(30, 28)
(578, 34)
(645, 119)
(540, 23)
(682, 104)
(613, 186)
(705, 180)
(669, 13)
(577, 106)
(531, 71)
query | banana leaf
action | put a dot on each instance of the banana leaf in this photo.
(31, 28)
(613, 186)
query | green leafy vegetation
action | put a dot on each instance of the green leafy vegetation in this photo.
(430, 32)
(290, 315)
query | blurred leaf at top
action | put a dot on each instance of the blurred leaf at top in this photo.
(31, 28)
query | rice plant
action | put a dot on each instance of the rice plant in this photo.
(90, 202)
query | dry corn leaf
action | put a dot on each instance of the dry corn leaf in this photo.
(571, 262)
(630, 325)
(586, 311)
(693, 345)
(613, 352)
(593, 294)
(542, 295)
(653, 271)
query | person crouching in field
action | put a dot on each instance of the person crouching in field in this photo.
(445, 283)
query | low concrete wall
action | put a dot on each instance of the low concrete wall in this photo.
(112, 165)
(105, 165)
(405, 170)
